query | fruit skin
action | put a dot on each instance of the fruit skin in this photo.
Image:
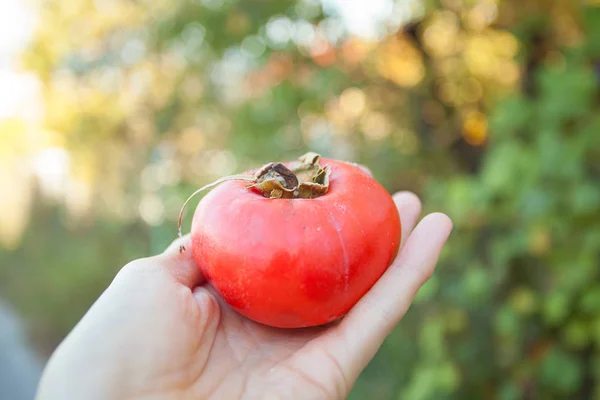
(294, 263)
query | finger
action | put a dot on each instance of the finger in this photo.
(409, 208)
(179, 245)
(357, 338)
(179, 262)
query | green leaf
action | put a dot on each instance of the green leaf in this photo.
(510, 391)
(560, 371)
(585, 199)
(448, 377)
(556, 308)
(576, 334)
(477, 283)
(506, 322)
(509, 117)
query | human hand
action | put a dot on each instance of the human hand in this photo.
(160, 332)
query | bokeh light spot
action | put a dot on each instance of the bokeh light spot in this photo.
(279, 31)
(352, 102)
(399, 61)
(151, 209)
(376, 126)
(475, 128)
(253, 46)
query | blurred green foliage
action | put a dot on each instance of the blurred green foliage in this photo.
(488, 110)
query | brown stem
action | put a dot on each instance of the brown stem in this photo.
(206, 187)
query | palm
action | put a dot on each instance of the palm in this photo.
(250, 359)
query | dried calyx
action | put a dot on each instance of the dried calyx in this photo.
(304, 179)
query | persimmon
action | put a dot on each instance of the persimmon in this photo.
(295, 244)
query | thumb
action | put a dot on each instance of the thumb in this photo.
(173, 262)
(179, 262)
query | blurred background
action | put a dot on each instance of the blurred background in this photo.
(113, 111)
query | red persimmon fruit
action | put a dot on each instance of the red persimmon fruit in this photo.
(296, 244)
